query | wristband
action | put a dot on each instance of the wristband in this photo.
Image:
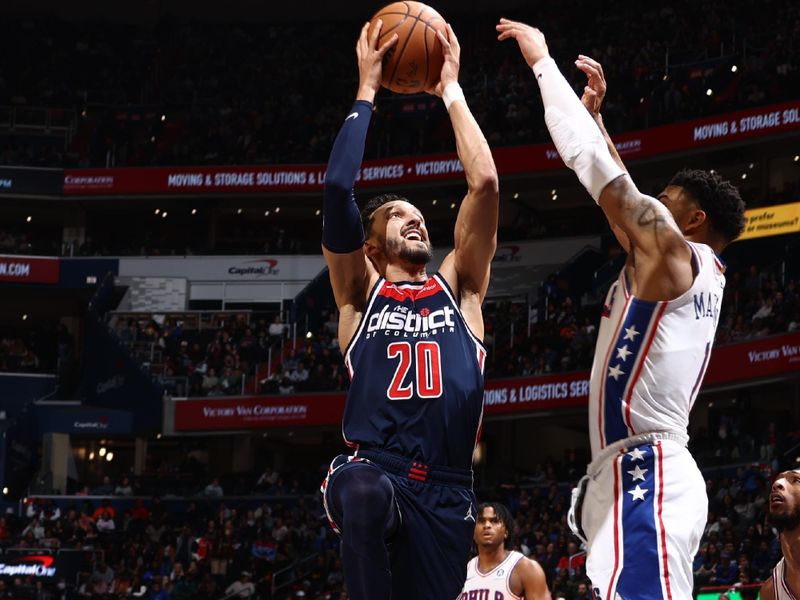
(452, 92)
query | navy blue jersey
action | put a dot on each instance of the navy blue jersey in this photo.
(417, 376)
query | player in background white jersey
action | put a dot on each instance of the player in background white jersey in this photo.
(642, 506)
(498, 573)
(784, 513)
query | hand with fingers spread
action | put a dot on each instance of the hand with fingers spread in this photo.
(531, 41)
(370, 60)
(595, 89)
(452, 60)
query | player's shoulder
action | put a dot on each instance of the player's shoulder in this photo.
(767, 589)
(527, 567)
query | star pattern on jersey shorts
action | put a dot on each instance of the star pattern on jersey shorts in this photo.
(638, 473)
(636, 454)
(623, 353)
(615, 372)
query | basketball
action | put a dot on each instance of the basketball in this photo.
(414, 63)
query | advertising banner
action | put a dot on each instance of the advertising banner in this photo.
(710, 131)
(756, 359)
(225, 268)
(28, 269)
(729, 364)
(84, 420)
(30, 181)
(771, 220)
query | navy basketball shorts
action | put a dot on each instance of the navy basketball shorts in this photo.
(429, 552)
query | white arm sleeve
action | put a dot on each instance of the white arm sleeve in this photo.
(575, 135)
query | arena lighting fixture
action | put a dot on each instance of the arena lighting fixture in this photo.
(641, 100)
(734, 68)
(152, 138)
(452, 205)
(516, 195)
(5, 491)
(238, 211)
(266, 213)
(158, 210)
(25, 317)
(158, 436)
(316, 212)
(309, 335)
(796, 157)
(434, 201)
(744, 175)
(555, 197)
(194, 211)
(110, 456)
(164, 215)
(665, 77)
(712, 171)
(553, 192)
(709, 92)
(29, 219)
(277, 209)
(102, 451)
(163, 118)
(751, 165)
(91, 455)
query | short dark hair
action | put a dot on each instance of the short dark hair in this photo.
(374, 204)
(505, 518)
(719, 199)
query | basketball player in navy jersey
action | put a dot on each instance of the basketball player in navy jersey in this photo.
(784, 513)
(642, 506)
(498, 572)
(403, 501)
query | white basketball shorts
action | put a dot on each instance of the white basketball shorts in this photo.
(643, 513)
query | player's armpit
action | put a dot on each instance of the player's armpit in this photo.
(352, 276)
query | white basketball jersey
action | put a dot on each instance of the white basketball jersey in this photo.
(493, 585)
(782, 591)
(651, 356)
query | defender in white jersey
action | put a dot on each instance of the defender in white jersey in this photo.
(642, 506)
(498, 573)
(784, 513)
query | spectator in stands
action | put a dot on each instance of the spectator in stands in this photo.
(104, 489)
(243, 587)
(213, 489)
(124, 488)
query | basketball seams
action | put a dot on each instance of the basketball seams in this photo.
(422, 48)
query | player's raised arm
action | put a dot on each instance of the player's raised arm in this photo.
(647, 223)
(476, 224)
(342, 231)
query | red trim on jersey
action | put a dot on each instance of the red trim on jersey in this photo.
(665, 556)
(611, 582)
(430, 287)
(611, 345)
(635, 378)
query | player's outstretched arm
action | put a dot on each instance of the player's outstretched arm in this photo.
(593, 95)
(476, 224)
(534, 582)
(654, 236)
(342, 232)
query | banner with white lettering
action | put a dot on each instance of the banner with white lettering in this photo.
(766, 357)
(729, 364)
(28, 269)
(710, 131)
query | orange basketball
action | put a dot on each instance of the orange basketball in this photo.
(414, 63)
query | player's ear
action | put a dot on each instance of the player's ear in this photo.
(698, 217)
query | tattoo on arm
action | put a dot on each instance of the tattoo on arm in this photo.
(650, 217)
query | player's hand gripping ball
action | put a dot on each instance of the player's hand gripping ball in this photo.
(414, 63)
